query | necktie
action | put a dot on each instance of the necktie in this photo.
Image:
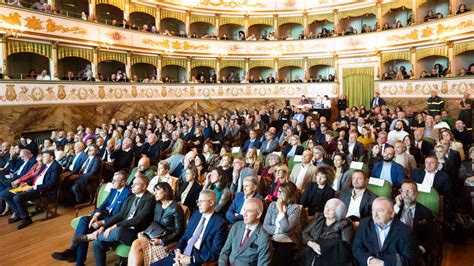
(111, 206)
(189, 248)
(133, 209)
(85, 166)
(409, 220)
(246, 238)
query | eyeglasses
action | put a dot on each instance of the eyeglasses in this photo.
(202, 201)
(279, 170)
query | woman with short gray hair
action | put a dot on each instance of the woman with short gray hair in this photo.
(327, 239)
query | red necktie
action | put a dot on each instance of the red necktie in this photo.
(246, 238)
(36, 178)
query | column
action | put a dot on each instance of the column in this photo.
(94, 65)
(379, 64)
(247, 69)
(275, 66)
(3, 56)
(246, 25)
(413, 11)
(339, 88)
(126, 10)
(451, 58)
(413, 61)
(158, 19)
(275, 26)
(218, 68)
(188, 68)
(158, 68)
(305, 67)
(218, 22)
(305, 23)
(53, 62)
(336, 21)
(188, 27)
(128, 67)
(379, 14)
(92, 15)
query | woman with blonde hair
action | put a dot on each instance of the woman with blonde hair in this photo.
(282, 176)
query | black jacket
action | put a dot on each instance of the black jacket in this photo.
(192, 196)
(172, 219)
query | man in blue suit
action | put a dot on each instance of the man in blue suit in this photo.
(89, 223)
(79, 158)
(389, 170)
(383, 239)
(87, 174)
(204, 237)
(27, 161)
(44, 184)
(252, 142)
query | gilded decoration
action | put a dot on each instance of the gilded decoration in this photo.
(430, 32)
(10, 95)
(175, 45)
(51, 26)
(12, 19)
(61, 92)
(33, 23)
(116, 36)
(232, 4)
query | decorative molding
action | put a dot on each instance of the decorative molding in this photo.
(447, 87)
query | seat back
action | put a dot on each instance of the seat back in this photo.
(102, 195)
(291, 163)
(381, 191)
(430, 200)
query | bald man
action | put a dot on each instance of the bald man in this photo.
(383, 240)
(144, 168)
(152, 149)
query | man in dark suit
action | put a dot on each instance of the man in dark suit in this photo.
(383, 240)
(86, 175)
(376, 100)
(43, 184)
(416, 216)
(430, 176)
(152, 149)
(135, 216)
(204, 237)
(252, 142)
(88, 223)
(426, 147)
(358, 199)
(122, 159)
(382, 138)
(12, 174)
(389, 170)
(270, 144)
(247, 243)
(356, 149)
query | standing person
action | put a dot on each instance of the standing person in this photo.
(435, 104)
(466, 111)
(377, 100)
(342, 102)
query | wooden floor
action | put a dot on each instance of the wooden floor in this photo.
(34, 244)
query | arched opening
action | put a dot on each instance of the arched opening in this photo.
(172, 25)
(202, 70)
(108, 13)
(232, 74)
(19, 64)
(391, 67)
(321, 72)
(290, 29)
(463, 60)
(107, 68)
(74, 64)
(259, 30)
(347, 24)
(428, 63)
(290, 74)
(143, 70)
(263, 72)
(436, 6)
(320, 29)
(231, 30)
(140, 19)
(177, 74)
(201, 29)
(73, 8)
(401, 14)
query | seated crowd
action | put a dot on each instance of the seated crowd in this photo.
(265, 187)
(438, 71)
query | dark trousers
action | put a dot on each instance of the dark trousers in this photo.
(116, 237)
(81, 249)
(17, 202)
(283, 254)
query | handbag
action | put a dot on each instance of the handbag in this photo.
(155, 230)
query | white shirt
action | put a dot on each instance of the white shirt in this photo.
(440, 125)
(429, 178)
(385, 174)
(300, 178)
(71, 167)
(40, 179)
(382, 233)
(208, 216)
(252, 229)
(396, 135)
(40, 77)
(327, 104)
(354, 205)
(351, 148)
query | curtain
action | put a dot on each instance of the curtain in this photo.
(286, 20)
(181, 16)
(437, 50)
(203, 63)
(398, 55)
(200, 18)
(146, 59)
(150, 10)
(387, 7)
(117, 3)
(261, 63)
(357, 12)
(328, 61)
(66, 51)
(111, 56)
(321, 17)
(291, 62)
(14, 47)
(232, 20)
(168, 61)
(263, 20)
(462, 47)
(232, 63)
(358, 85)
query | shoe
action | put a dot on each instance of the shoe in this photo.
(65, 255)
(24, 223)
(14, 219)
(80, 239)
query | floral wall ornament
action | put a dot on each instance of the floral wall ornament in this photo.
(33, 23)
(10, 94)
